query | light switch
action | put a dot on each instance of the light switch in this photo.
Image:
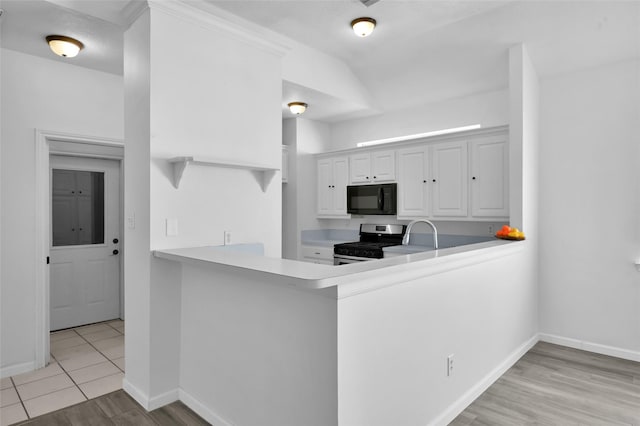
(172, 227)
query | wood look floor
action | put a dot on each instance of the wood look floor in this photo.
(555, 385)
(118, 408)
(549, 385)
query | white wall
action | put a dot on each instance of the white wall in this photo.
(204, 93)
(487, 109)
(393, 343)
(48, 95)
(590, 205)
(306, 137)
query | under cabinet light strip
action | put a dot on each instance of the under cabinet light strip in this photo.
(419, 135)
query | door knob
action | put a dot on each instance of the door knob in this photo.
(115, 251)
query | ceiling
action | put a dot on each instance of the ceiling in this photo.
(422, 51)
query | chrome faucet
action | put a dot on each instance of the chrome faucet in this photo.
(405, 239)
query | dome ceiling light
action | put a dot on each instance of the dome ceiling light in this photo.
(64, 46)
(297, 108)
(363, 26)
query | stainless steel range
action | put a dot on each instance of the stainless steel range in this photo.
(373, 238)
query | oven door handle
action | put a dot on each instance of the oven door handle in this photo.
(380, 199)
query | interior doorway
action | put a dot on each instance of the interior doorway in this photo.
(86, 149)
(85, 241)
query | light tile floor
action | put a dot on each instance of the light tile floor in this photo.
(86, 362)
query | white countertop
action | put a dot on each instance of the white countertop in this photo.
(375, 273)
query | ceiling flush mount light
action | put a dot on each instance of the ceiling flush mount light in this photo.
(363, 26)
(64, 46)
(297, 108)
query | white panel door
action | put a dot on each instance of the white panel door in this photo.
(360, 168)
(449, 179)
(413, 185)
(325, 191)
(384, 166)
(489, 177)
(84, 252)
(340, 182)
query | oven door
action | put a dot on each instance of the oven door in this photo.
(341, 259)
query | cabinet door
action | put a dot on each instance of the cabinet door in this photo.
(384, 166)
(413, 186)
(360, 167)
(489, 172)
(340, 182)
(449, 180)
(325, 192)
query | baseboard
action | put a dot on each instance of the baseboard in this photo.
(463, 402)
(135, 393)
(164, 399)
(591, 347)
(201, 409)
(14, 370)
(143, 399)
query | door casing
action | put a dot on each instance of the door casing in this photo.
(48, 143)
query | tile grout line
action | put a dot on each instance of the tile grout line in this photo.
(15, 388)
(100, 352)
(71, 378)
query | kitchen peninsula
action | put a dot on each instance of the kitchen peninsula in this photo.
(302, 343)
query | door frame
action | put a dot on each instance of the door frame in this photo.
(58, 143)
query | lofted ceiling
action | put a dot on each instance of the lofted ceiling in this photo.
(422, 51)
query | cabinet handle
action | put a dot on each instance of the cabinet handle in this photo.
(375, 177)
(115, 241)
(474, 178)
(329, 186)
(424, 181)
(367, 177)
(434, 180)
(115, 252)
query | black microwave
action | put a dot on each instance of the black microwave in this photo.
(372, 199)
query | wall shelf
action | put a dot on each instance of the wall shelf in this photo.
(265, 173)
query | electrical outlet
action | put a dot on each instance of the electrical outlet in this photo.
(450, 365)
(490, 229)
(227, 237)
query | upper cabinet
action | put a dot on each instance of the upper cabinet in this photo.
(452, 177)
(414, 189)
(489, 176)
(372, 167)
(449, 179)
(333, 178)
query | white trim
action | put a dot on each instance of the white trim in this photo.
(202, 410)
(42, 227)
(135, 393)
(211, 17)
(591, 347)
(163, 399)
(15, 369)
(463, 402)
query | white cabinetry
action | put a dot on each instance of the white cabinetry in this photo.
(449, 179)
(377, 166)
(333, 176)
(413, 182)
(489, 176)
